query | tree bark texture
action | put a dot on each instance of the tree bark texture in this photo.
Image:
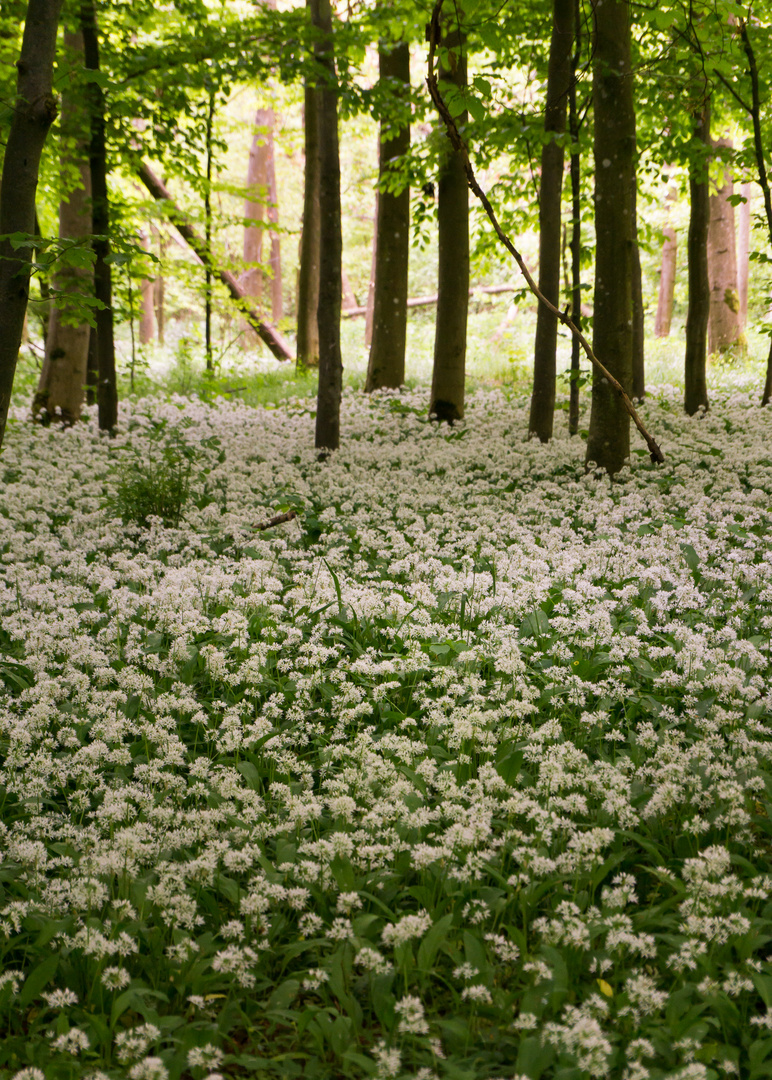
(107, 388)
(308, 274)
(639, 345)
(449, 368)
(698, 310)
(61, 387)
(669, 259)
(743, 254)
(267, 333)
(33, 114)
(261, 207)
(608, 442)
(386, 365)
(559, 78)
(330, 241)
(724, 324)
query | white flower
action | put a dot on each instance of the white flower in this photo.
(411, 1013)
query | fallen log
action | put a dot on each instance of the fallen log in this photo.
(275, 341)
(427, 301)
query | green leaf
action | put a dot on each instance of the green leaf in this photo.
(430, 945)
(38, 978)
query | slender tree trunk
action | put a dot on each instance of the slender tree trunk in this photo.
(724, 325)
(330, 241)
(33, 114)
(159, 287)
(308, 274)
(608, 443)
(386, 365)
(559, 80)
(576, 228)
(449, 369)
(147, 328)
(348, 295)
(261, 206)
(61, 387)
(107, 389)
(639, 357)
(208, 232)
(743, 254)
(698, 311)
(666, 281)
(371, 284)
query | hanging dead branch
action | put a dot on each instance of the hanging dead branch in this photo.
(434, 37)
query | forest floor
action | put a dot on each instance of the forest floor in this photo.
(464, 772)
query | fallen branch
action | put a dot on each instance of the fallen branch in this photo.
(427, 301)
(434, 37)
(278, 520)
(278, 345)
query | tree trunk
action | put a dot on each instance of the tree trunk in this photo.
(267, 333)
(698, 311)
(61, 387)
(159, 287)
(147, 329)
(308, 274)
(330, 240)
(559, 79)
(576, 227)
(666, 281)
(449, 369)
(608, 442)
(639, 343)
(348, 295)
(724, 325)
(107, 389)
(743, 254)
(259, 168)
(32, 116)
(370, 305)
(391, 243)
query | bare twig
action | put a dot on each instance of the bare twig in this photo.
(278, 520)
(434, 37)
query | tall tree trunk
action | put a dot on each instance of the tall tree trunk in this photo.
(608, 442)
(308, 273)
(330, 240)
(743, 254)
(386, 365)
(370, 303)
(61, 387)
(724, 325)
(698, 310)
(159, 286)
(576, 228)
(261, 206)
(559, 78)
(33, 114)
(667, 273)
(208, 231)
(638, 390)
(107, 389)
(449, 368)
(147, 328)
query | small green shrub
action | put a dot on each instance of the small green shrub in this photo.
(157, 485)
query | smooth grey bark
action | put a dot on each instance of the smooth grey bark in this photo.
(61, 386)
(308, 273)
(386, 365)
(34, 112)
(559, 79)
(449, 369)
(329, 392)
(698, 310)
(107, 387)
(608, 442)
